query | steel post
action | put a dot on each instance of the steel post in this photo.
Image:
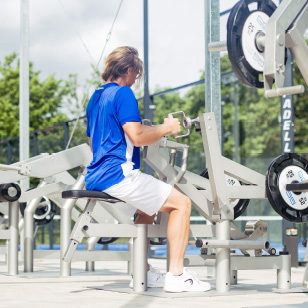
(140, 258)
(130, 263)
(65, 226)
(13, 241)
(90, 246)
(223, 257)
(284, 273)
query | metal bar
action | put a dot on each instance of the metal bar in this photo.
(9, 167)
(284, 273)
(9, 152)
(148, 113)
(35, 145)
(217, 46)
(13, 241)
(102, 255)
(66, 134)
(285, 91)
(300, 52)
(28, 231)
(90, 246)
(24, 148)
(5, 234)
(65, 226)
(111, 230)
(238, 244)
(140, 259)
(175, 89)
(46, 166)
(223, 261)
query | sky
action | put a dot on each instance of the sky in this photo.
(66, 36)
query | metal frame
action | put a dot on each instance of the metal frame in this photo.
(54, 178)
(213, 202)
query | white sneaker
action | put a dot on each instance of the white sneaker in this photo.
(187, 282)
(155, 278)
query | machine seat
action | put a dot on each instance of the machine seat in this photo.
(89, 194)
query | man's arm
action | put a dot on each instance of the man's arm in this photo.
(145, 135)
(90, 144)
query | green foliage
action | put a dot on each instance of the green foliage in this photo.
(46, 98)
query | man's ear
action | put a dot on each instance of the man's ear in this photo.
(129, 70)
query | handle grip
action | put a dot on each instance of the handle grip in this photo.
(183, 120)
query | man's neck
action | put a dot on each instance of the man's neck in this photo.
(120, 81)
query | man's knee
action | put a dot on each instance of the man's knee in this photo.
(186, 204)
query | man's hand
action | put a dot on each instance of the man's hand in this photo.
(173, 125)
(141, 135)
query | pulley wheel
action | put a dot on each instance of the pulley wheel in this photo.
(239, 205)
(246, 22)
(289, 168)
(9, 192)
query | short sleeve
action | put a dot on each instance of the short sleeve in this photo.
(127, 106)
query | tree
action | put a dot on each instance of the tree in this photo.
(47, 97)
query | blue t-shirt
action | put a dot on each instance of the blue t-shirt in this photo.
(114, 155)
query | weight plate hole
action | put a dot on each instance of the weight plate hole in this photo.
(253, 6)
(296, 192)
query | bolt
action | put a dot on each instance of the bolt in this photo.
(280, 40)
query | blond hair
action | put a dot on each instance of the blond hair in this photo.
(119, 61)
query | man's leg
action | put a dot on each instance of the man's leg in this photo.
(179, 208)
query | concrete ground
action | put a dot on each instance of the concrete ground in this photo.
(44, 288)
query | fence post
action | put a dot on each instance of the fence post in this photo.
(66, 134)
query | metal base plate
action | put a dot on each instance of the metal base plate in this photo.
(235, 290)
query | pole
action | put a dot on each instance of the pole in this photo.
(212, 63)
(147, 101)
(24, 83)
(24, 144)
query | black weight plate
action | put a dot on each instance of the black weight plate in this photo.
(244, 71)
(241, 205)
(274, 193)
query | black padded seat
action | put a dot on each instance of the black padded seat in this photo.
(89, 194)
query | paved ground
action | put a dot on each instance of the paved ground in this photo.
(44, 288)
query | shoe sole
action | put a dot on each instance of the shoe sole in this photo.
(181, 291)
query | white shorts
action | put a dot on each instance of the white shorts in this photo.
(140, 191)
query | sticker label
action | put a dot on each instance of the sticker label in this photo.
(255, 23)
(293, 174)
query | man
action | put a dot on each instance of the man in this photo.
(115, 134)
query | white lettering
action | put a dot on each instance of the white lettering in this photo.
(287, 104)
(287, 114)
(287, 147)
(286, 137)
(286, 125)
